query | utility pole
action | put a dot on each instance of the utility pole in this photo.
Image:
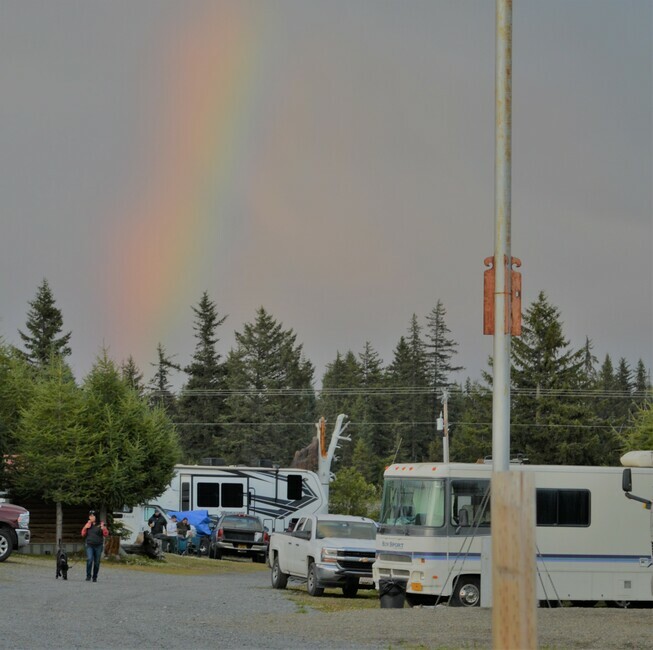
(513, 493)
(445, 426)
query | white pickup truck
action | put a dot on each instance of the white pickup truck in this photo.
(326, 551)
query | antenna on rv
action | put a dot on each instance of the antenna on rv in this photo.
(325, 456)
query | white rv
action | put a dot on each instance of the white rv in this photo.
(592, 544)
(277, 495)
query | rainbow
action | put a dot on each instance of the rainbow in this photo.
(203, 139)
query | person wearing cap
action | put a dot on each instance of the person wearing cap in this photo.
(94, 534)
(157, 524)
(171, 535)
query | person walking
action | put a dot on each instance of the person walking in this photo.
(94, 533)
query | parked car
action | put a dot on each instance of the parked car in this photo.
(14, 529)
(240, 535)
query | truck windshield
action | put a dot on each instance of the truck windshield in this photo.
(415, 502)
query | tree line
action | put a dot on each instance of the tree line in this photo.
(259, 402)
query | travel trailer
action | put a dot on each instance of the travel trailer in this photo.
(592, 544)
(278, 495)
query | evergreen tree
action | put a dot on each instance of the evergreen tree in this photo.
(472, 429)
(271, 404)
(44, 324)
(53, 455)
(132, 376)
(440, 349)
(590, 374)
(640, 434)
(201, 407)
(624, 387)
(642, 384)
(16, 391)
(134, 446)
(551, 423)
(160, 386)
(341, 385)
(371, 415)
(410, 408)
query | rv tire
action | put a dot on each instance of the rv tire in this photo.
(467, 592)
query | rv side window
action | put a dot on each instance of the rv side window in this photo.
(232, 495)
(562, 507)
(470, 503)
(294, 487)
(185, 496)
(208, 495)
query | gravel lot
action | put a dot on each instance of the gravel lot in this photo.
(140, 609)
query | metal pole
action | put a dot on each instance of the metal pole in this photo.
(445, 432)
(502, 181)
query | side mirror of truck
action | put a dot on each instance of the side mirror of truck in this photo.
(626, 480)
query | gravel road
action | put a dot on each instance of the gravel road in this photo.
(137, 609)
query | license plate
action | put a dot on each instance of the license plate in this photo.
(366, 581)
(243, 546)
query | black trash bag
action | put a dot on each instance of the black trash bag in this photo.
(392, 593)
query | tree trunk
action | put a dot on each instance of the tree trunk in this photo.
(59, 524)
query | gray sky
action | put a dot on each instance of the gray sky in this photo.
(331, 161)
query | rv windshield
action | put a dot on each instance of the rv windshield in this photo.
(412, 502)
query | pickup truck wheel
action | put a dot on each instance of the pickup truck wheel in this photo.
(312, 582)
(6, 547)
(350, 589)
(279, 578)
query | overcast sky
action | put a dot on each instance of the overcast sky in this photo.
(330, 161)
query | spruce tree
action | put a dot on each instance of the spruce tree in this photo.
(340, 393)
(642, 384)
(552, 422)
(410, 407)
(371, 414)
(160, 386)
(440, 349)
(16, 391)
(134, 445)
(201, 406)
(44, 324)
(271, 403)
(132, 376)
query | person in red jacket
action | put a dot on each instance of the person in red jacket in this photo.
(94, 534)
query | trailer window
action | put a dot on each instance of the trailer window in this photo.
(470, 503)
(185, 496)
(294, 487)
(562, 507)
(208, 495)
(232, 495)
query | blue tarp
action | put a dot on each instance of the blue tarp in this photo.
(197, 518)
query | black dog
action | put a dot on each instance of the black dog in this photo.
(62, 564)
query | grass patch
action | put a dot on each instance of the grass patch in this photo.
(332, 600)
(171, 564)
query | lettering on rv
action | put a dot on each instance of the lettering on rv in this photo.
(391, 544)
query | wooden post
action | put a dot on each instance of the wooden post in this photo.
(514, 613)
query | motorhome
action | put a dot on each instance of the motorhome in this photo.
(592, 544)
(277, 495)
